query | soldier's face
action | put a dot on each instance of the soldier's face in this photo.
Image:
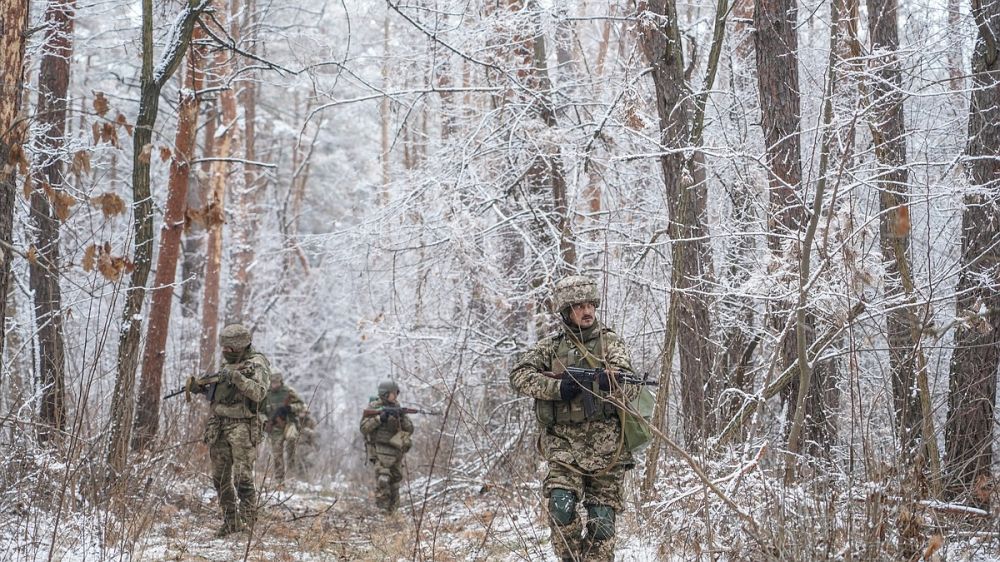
(391, 397)
(583, 314)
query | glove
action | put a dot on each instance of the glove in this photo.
(569, 389)
(282, 412)
(604, 380)
(383, 416)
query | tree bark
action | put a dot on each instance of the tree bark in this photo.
(776, 46)
(13, 25)
(123, 400)
(973, 382)
(215, 211)
(889, 135)
(247, 195)
(53, 83)
(686, 203)
(147, 420)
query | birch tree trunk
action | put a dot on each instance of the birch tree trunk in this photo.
(53, 83)
(972, 385)
(147, 421)
(13, 25)
(123, 400)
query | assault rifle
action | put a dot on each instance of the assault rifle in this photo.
(279, 417)
(198, 385)
(396, 411)
(587, 377)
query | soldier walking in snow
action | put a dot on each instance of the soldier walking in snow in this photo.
(583, 446)
(234, 430)
(387, 439)
(283, 409)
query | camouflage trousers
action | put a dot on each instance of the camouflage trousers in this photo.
(232, 447)
(568, 541)
(388, 475)
(282, 455)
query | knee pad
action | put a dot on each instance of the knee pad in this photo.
(562, 506)
(600, 522)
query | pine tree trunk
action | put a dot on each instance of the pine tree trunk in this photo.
(147, 421)
(973, 381)
(776, 46)
(889, 133)
(13, 25)
(123, 400)
(686, 203)
(53, 83)
(215, 210)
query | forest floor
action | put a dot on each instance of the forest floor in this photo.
(309, 522)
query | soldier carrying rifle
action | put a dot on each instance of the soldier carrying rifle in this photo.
(581, 433)
(387, 429)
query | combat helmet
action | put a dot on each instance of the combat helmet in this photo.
(385, 387)
(575, 289)
(277, 375)
(235, 336)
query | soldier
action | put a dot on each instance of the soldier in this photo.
(234, 430)
(283, 409)
(387, 439)
(586, 457)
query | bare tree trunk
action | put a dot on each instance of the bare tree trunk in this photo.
(956, 69)
(53, 83)
(776, 46)
(889, 134)
(215, 211)
(385, 116)
(123, 400)
(147, 420)
(686, 203)
(14, 18)
(973, 381)
(245, 194)
(193, 267)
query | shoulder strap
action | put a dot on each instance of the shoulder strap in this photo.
(585, 353)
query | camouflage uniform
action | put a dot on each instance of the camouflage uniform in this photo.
(587, 459)
(234, 431)
(283, 408)
(386, 442)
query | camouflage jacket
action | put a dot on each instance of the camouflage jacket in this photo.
(243, 386)
(276, 399)
(381, 433)
(589, 445)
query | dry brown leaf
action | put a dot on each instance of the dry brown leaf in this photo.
(88, 257)
(121, 121)
(101, 105)
(213, 215)
(110, 203)
(28, 187)
(193, 216)
(165, 153)
(81, 163)
(32, 255)
(109, 134)
(96, 129)
(145, 152)
(62, 203)
(17, 156)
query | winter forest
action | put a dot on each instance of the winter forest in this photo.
(791, 209)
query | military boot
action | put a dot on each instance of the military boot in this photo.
(229, 527)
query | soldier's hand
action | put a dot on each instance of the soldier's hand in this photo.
(604, 380)
(383, 416)
(569, 389)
